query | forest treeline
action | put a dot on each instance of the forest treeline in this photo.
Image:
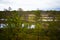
(43, 30)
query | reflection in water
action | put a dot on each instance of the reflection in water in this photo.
(2, 25)
(22, 25)
(29, 26)
(32, 26)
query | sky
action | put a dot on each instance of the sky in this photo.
(30, 4)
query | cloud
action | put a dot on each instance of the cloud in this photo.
(30, 4)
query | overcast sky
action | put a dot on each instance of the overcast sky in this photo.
(30, 4)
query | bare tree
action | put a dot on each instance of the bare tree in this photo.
(20, 9)
(9, 8)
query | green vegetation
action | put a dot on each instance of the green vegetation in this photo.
(43, 30)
